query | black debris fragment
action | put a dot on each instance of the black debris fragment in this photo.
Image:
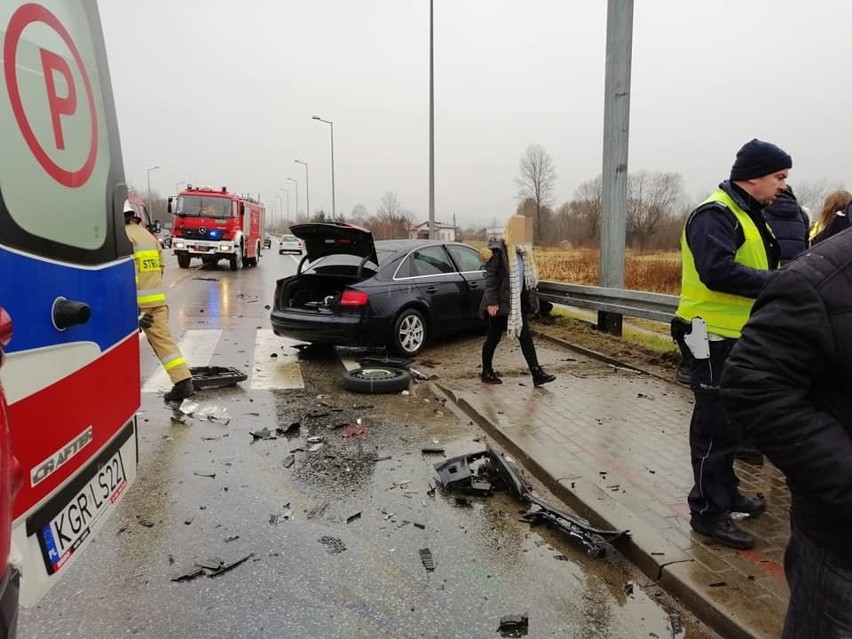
(677, 624)
(189, 574)
(142, 521)
(317, 511)
(718, 584)
(223, 567)
(432, 450)
(188, 520)
(208, 475)
(228, 540)
(284, 430)
(514, 625)
(426, 558)
(333, 544)
(352, 518)
(288, 461)
(205, 377)
(628, 588)
(316, 414)
(420, 526)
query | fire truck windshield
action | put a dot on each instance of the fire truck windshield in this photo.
(203, 206)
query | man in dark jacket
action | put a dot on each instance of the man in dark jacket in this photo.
(789, 224)
(728, 253)
(787, 382)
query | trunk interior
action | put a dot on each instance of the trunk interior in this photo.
(314, 292)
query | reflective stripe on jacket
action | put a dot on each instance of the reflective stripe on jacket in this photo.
(148, 258)
(725, 314)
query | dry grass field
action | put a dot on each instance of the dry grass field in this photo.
(657, 272)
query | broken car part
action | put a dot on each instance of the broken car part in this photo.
(204, 377)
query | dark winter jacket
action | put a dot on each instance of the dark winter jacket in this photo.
(496, 278)
(787, 382)
(789, 224)
(714, 235)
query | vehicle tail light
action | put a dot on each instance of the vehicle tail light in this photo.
(353, 298)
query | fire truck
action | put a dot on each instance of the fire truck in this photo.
(213, 225)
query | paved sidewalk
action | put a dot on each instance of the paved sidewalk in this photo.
(614, 444)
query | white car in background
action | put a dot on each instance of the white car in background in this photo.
(290, 244)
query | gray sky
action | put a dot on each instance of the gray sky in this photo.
(222, 92)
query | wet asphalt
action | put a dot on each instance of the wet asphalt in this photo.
(324, 525)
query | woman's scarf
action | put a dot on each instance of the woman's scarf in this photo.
(515, 322)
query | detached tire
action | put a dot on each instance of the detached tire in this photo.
(376, 379)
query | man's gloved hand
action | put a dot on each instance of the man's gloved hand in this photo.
(146, 320)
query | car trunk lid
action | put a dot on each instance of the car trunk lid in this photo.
(323, 239)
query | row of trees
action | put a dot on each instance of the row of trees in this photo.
(657, 205)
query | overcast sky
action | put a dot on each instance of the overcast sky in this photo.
(222, 92)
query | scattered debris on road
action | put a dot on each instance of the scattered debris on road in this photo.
(206, 377)
(333, 544)
(352, 518)
(427, 559)
(514, 625)
(495, 472)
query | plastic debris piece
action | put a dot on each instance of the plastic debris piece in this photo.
(352, 518)
(333, 544)
(284, 430)
(315, 448)
(628, 588)
(317, 511)
(215, 376)
(677, 624)
(227, 567)
(263, 433)
(188, 520)
(314, 440)
(208, 475)
(514, 625)
(145, 522)
(432, 450)
(427, 560)
(179, 417)
(355, 430)
(189, 574)
(288, 461)
(420, 526)
(228, 540)
(188, 407)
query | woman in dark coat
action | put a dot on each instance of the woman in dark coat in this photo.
(510, 297)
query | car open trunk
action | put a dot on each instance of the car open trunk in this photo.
(313, 292)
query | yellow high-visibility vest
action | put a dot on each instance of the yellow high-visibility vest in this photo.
(724, 314)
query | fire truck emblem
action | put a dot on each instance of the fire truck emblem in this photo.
(202, 229)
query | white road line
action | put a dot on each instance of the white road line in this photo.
(281, 372)
(197, 347)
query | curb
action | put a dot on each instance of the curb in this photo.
(658, 558)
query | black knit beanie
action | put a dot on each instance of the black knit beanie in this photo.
(757, 158)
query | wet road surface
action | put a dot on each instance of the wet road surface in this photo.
(329, 520)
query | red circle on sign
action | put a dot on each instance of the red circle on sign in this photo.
(20, 20)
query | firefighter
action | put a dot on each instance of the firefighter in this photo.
(153, 312)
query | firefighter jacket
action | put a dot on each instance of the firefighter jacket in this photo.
(724, 313)
(148, 258)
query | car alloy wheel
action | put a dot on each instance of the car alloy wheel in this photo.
(376, 379)
(409, 333)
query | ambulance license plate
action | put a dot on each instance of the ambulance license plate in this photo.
(60, 538)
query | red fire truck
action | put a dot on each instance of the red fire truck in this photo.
(215, 224)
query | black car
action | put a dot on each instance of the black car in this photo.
(351, 291)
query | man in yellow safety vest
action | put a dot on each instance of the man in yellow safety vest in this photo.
(151, 300)
(728, 254)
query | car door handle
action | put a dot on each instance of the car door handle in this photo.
(473, 284)
(431, 289)
(66, 313)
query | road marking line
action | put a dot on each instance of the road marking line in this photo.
(197, 347)
(281, 372)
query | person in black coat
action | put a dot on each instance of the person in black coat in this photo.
(834, 216)
(511, 297)
(789, 224)
(787, 382)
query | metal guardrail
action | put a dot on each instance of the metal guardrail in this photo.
(652, 306)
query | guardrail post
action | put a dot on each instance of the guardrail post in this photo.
(610, 323)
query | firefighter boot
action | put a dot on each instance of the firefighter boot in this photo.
(180, 391)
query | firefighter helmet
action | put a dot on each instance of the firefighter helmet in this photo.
(129, 212)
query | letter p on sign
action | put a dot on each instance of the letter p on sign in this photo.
(59, 105)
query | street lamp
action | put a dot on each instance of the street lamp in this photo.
(296, 182)
(307, 187)
(329, 122)
(288, 202)
(153, 168)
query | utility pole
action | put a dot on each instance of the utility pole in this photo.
(619, 45)
(431, 125)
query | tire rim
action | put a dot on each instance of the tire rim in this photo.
(376, 373)
(411, 332)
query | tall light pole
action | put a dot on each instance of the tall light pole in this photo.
(296, 182)
(153, 168)
(307, 187)
(288, 201)
(431, 128)
(329, 122)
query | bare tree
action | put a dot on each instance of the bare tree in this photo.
(811, 195)
(537, 182)
(360, 216)
(652, 199)
(391, 220)
(589, 206)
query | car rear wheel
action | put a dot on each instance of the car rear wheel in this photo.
(409, 333)
(376, 379)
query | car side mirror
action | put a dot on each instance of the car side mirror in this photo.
(157, 226)
(169, 205)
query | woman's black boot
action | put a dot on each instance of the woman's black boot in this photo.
(489, 376)
(540, 377)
